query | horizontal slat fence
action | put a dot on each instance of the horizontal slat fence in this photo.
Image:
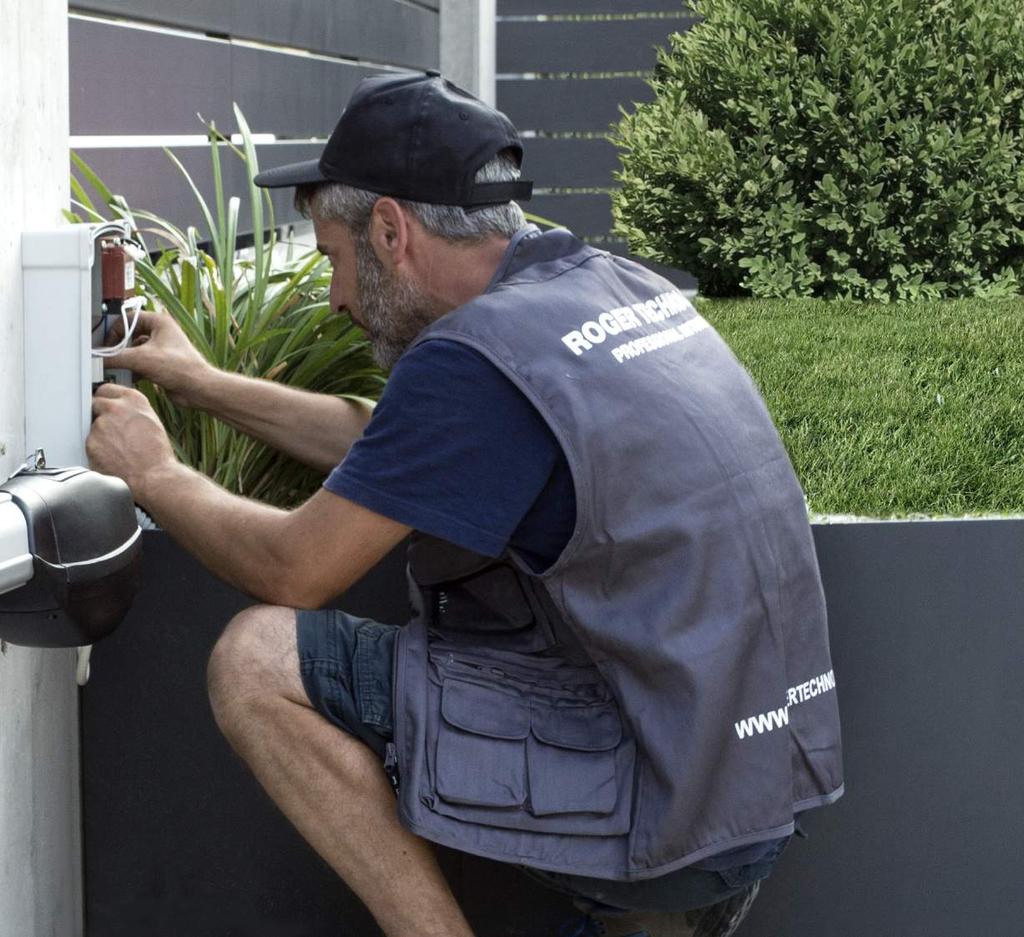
(150, 68)
(559, 105)
(387, 31)
(566, 69)
(565, 161)
(510, 8)
(583, 45)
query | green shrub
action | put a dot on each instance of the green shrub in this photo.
(864, 149)
(263, 312)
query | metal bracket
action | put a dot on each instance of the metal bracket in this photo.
(34, 462)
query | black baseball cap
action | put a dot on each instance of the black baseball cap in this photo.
(417, 137)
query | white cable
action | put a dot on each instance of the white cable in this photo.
(83, 668)
(135, 304)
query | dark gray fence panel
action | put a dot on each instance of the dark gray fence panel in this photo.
(590, 216)
(585, 46)
(292, 95)
(563, 104)
(679, 277)
(203, 15)
(277, 154)
(585, 215)
(556, 163)
(554, 7)
(389, 31)
(148, 179)
(927, 628)
(182, 76)
(177, 76)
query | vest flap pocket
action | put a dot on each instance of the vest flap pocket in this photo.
(481, 757)
(566, 780)
(571, 759)
(585, 728)
(484, 711)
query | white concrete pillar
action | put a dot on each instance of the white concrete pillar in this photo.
(467, 45)
(40, 849)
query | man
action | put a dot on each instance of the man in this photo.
(618, 674)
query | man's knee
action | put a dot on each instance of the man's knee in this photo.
(255, 658)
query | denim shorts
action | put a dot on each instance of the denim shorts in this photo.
(347, 666)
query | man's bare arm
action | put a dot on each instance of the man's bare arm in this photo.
(301, 558)
(315, 429)
(297, 558)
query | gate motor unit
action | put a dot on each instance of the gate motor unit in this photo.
(69, 557)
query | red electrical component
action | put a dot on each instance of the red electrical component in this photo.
(118, 270)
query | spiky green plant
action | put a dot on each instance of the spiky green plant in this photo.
(263, 312)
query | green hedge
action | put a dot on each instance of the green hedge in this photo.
(835, 148)
(891, 410)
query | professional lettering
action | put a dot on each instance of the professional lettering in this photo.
(624, 319)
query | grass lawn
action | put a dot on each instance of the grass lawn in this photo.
(891, 410)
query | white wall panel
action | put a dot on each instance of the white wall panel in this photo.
(40, 879)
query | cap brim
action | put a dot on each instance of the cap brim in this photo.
(292, 174)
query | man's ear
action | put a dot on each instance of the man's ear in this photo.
(389, 232)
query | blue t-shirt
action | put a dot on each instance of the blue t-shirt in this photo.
(454, 449)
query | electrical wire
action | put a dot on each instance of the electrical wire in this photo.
(135, 304)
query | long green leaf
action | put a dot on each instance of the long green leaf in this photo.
(94, 180)
(203, 207)
(81, 196)
(90, 213)
(256, 206)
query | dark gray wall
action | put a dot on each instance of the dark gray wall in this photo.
(927, 627)
(130, 75)
(563, 82)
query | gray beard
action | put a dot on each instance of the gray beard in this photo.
(394, 311)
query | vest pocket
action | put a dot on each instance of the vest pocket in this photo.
(520, 760)
(480, 746)
(570, 757)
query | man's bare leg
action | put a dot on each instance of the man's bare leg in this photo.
(330, 785)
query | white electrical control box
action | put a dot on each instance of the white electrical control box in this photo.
(65, 276)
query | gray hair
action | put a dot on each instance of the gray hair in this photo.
(335, 201)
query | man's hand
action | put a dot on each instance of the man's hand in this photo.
(127, 438)
(161, 353)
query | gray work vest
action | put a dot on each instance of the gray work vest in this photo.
(664, 691)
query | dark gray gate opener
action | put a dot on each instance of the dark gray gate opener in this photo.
(69, 556)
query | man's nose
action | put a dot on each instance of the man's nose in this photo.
(334, 296)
